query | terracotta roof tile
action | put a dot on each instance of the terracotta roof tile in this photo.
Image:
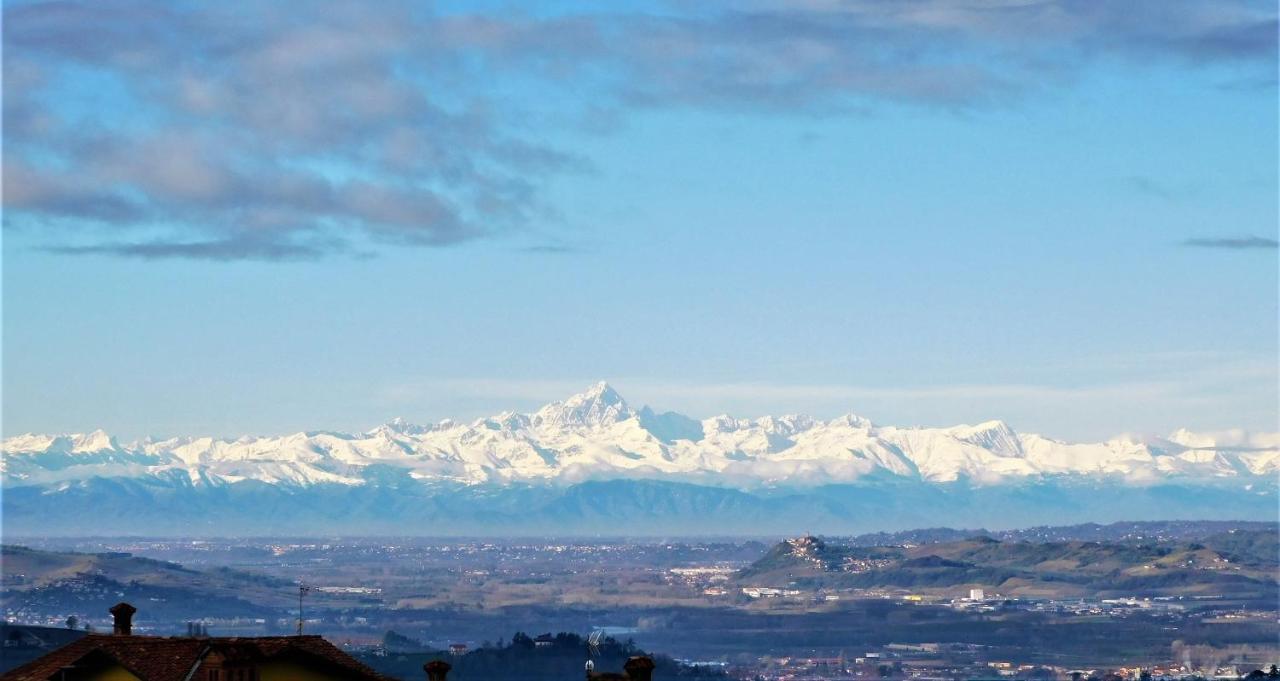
(149, 657)
(154, 658)
(316, 646)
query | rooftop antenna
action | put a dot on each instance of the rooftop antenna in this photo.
(302, 591)
(593, 648)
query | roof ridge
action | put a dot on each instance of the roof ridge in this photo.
(174, 658)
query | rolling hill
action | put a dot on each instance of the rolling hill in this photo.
(1242, 563)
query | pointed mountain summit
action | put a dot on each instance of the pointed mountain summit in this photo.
(74, 443)
(597, 406)
(851, 421)
(399, 426)
(98, 440)
(995, 436)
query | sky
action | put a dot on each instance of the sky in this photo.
(242, 218)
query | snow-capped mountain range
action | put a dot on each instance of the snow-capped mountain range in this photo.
(596, 435)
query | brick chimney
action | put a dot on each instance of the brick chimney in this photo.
(122, 614)
(436, 670)
(639, 668)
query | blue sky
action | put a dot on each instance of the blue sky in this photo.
(240, 220)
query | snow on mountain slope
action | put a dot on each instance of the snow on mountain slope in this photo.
(596, 435)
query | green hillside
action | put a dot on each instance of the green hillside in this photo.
(1240, 563)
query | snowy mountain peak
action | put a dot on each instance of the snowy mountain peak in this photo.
(96, 441)
(597, 406)
(851, 421)
(77, 443)
(985, 432)
(600, 391)
(399, 426)
(786, 425)
(597, 435)
(996, 436)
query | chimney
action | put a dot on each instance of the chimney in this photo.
(639, 668)
(436, 670)
(122, 613)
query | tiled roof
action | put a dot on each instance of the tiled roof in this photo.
(148, 657)
(317, 646)
(154, 658)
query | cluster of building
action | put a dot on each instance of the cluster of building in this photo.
(857, 565)
(768, 592)
(707, 580)
(964, 662)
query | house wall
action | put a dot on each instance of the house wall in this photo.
(292, 671)
(116, 673)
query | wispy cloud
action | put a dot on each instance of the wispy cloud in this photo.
(234, 130)
(1148, 186)
(551, 249)
(249, 132)
(1236, 243)
(778, 397)
(226, 249)
(1162, 391)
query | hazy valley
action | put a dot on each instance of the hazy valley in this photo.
(1126, 590)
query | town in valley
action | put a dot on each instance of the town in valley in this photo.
(1158, 600)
